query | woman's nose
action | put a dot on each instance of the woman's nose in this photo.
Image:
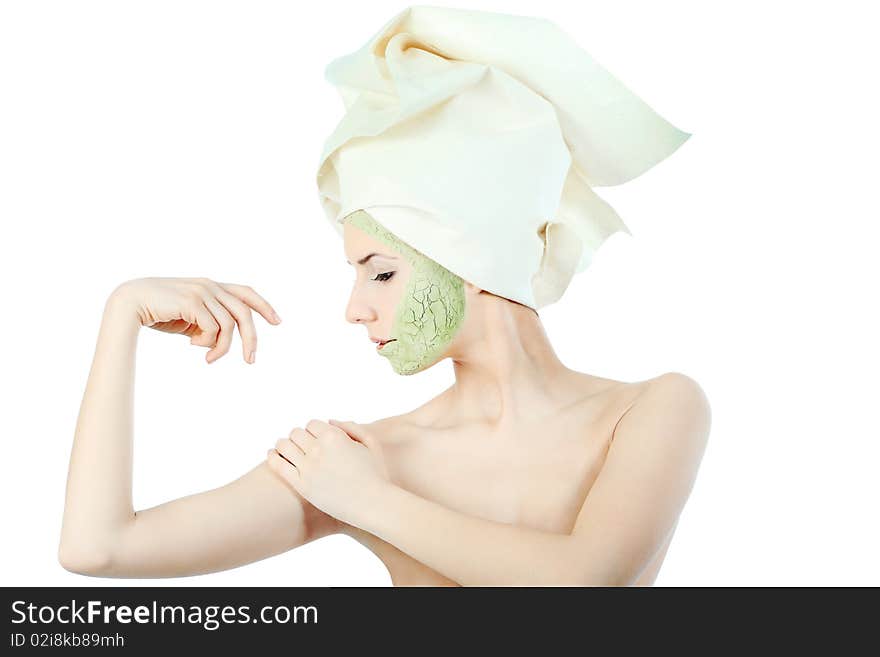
(358, 311)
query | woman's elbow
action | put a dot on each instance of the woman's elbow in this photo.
(84, 560)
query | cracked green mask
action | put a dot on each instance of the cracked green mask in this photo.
(431, 310)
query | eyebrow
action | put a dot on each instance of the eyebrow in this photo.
(364, 260)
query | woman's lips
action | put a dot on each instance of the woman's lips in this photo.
(382, 344)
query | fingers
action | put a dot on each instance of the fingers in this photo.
(226, 328)
(281, 465)
(230, 305)
(302, 439)
(207, 325)
(289, 450)
(317, 428)
(254, 300)
(242, 315)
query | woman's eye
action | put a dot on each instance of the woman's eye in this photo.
(384, 277)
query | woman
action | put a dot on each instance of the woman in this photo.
(523, 472)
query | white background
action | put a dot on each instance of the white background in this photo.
(181, 139)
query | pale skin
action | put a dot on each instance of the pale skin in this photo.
(523, 472)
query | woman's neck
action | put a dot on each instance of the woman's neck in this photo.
(504, 364)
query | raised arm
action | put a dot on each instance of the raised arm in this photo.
(251, 518)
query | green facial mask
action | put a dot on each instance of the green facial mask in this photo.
(429, 313)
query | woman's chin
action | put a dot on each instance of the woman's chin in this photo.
(410, 368)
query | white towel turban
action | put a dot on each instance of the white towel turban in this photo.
(475, 137)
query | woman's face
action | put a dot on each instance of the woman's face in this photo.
(401, 296)
(381, 277)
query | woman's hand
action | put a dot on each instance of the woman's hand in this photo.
(205, 311)
(338, 467)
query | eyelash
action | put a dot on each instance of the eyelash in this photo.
(387, 274)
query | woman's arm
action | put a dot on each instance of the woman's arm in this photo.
(98, 504)
(631, 509)
(251, 518)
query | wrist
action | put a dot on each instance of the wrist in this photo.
(120, 305)
(374, 502)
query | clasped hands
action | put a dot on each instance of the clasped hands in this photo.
(337, 466)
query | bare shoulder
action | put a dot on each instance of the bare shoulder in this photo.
(398, 428)
(630, 514)
(672, 405)
(681, 383)
(680, 392)
(388, 429)
(667, 396)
